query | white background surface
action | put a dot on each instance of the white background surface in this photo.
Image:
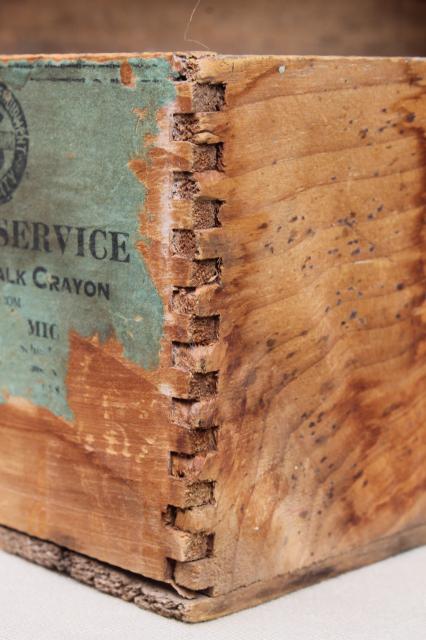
(385, 601)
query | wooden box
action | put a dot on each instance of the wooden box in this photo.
(213, 338)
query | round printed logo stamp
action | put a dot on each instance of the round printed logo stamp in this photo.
(14, 143)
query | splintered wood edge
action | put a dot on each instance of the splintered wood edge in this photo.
(160, 598)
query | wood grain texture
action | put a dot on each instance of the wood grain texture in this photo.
(282, 437)
(322, 373)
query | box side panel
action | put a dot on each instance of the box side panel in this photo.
(86, 358)
(322, 385)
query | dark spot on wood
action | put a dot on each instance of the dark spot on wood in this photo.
(250, 378)
(353, 519)
(391, 408)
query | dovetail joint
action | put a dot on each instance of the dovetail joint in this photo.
(192, 352)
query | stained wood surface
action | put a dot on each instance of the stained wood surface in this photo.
(322, 385)
(283, 432)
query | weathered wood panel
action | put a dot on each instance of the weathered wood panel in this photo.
(322, 382)
(86, 434)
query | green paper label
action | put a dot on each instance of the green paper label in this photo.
(70, 210)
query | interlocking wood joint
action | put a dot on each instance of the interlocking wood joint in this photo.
(193, 352)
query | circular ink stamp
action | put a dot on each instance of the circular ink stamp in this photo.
(14, 143)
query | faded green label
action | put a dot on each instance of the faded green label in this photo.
(69, 219)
